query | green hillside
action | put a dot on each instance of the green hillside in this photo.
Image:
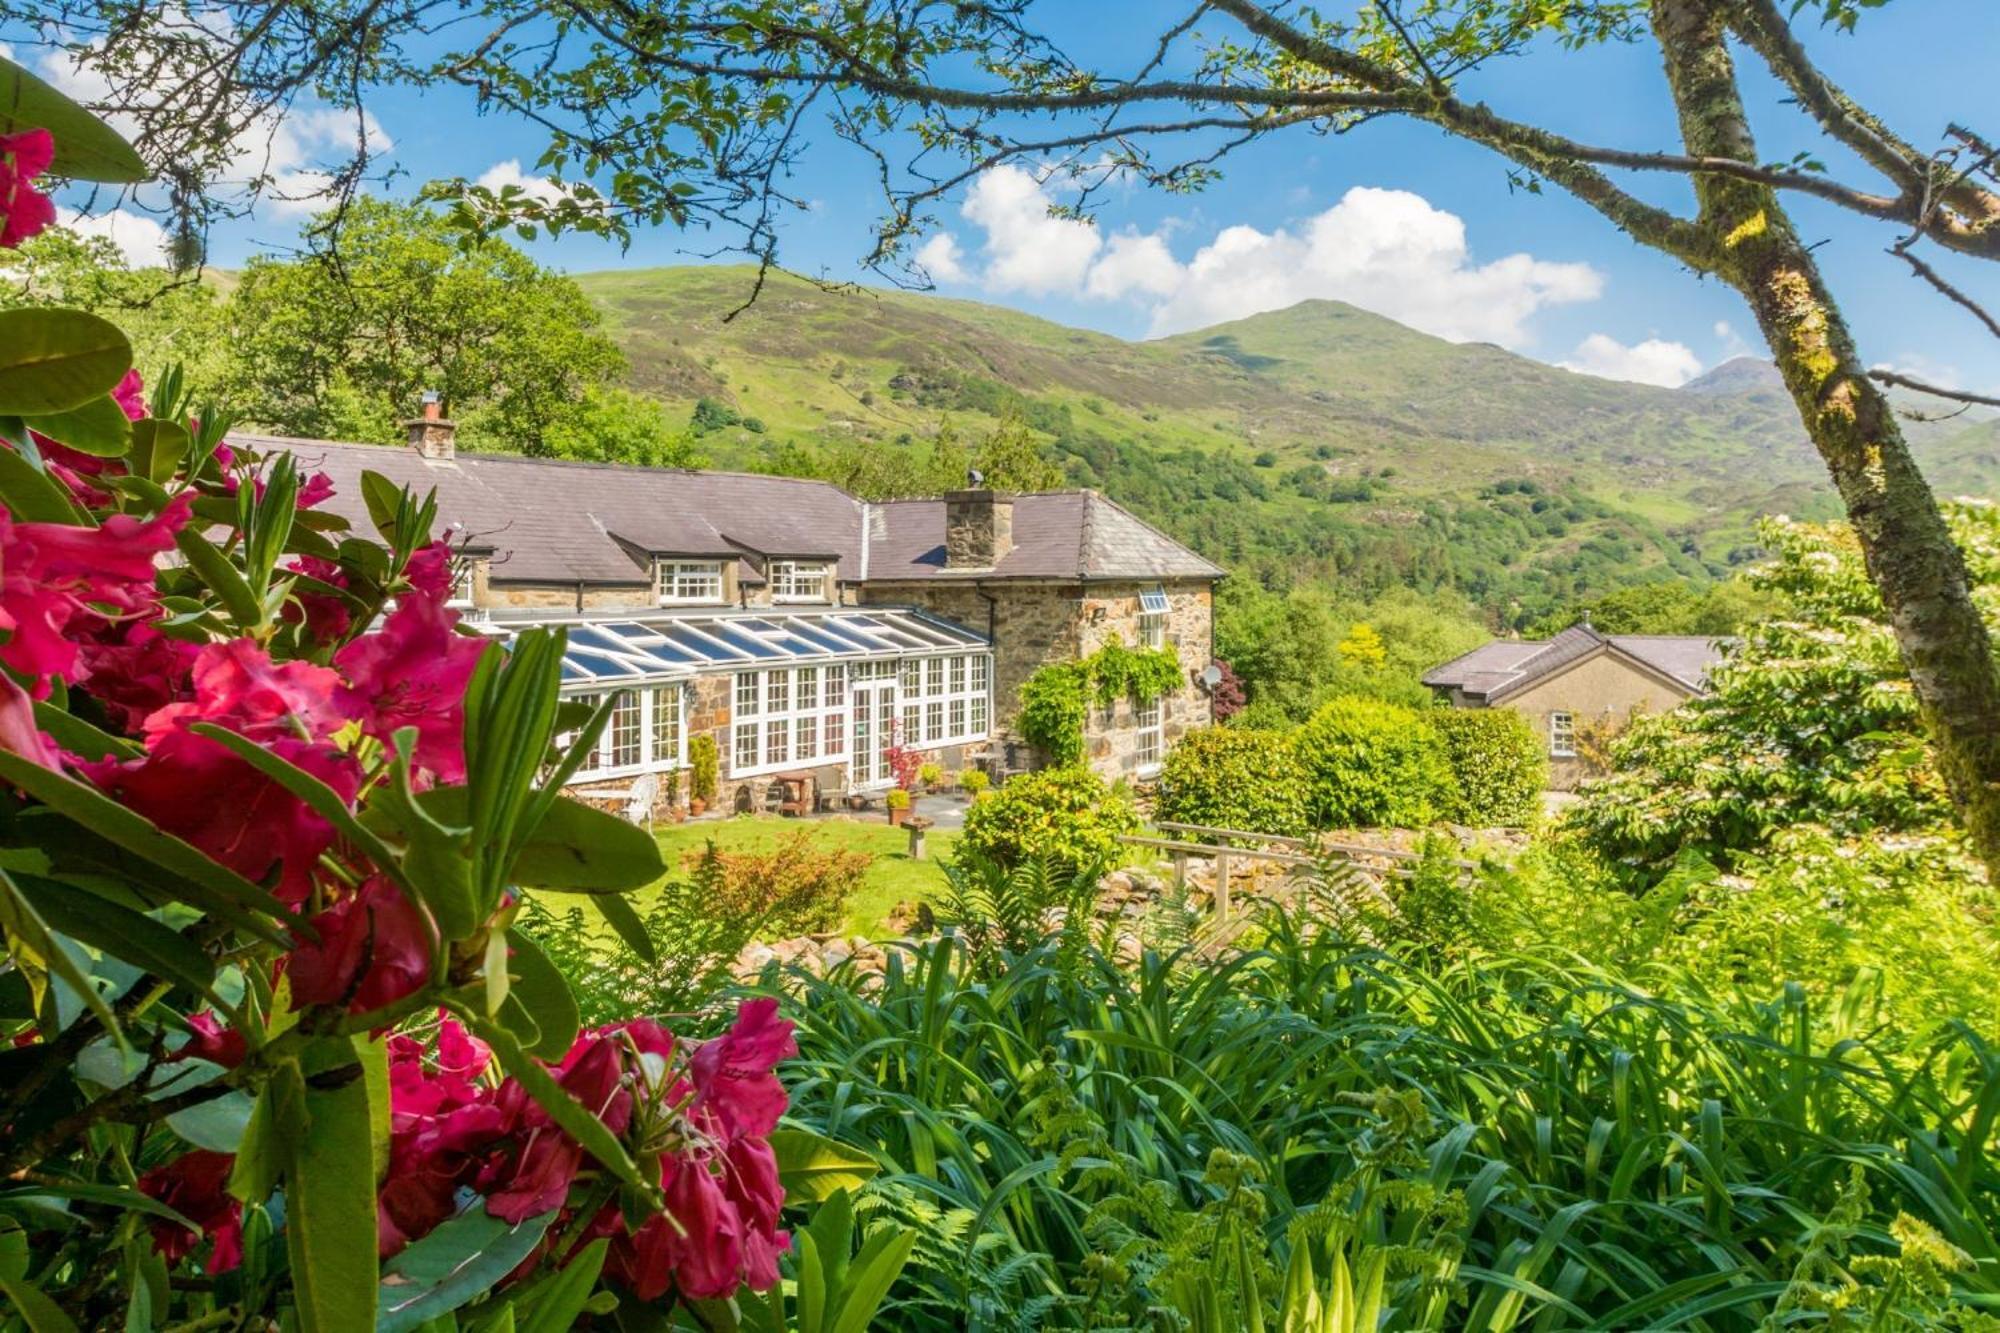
(1316, 441)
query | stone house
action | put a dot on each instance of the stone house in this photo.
(1577, 683)
(805, 630)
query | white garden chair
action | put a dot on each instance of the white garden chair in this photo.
(637, 799)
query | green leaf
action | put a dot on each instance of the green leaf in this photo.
(575, 848)
(111, 1195)
(575, 1119)
(556, 1303)
(80, 737)
(328, 1127)
(218, 1126)
(212, 887)
(32, 495)
(86, 148)
(159, 448)
(37, 1311)
(813, 1168)
(544, 993)
(25, 929)
(222, 577)
(870, 1276)
(625, 920)
(384, 499)
(99, 427)
(53, 360)
(123, 933)
(457, 1262)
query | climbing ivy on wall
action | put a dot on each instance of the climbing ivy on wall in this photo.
(1055, 701)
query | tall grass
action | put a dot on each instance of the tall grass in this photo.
(1518, 1141)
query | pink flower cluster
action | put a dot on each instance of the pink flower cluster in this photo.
(704, 1116)
(24, 210)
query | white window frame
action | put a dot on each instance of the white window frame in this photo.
(767, 709)
(1153, 618)
(687, 582)
(1562, 734)
(646, 700)
(1149, 723)
(800, 580)
(943, 699)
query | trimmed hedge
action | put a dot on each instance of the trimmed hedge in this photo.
(1373, 764)
(1498, 762)
(1066, 816)
(1238, 778)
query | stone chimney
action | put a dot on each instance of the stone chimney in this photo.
(978, 528)
(431, 434)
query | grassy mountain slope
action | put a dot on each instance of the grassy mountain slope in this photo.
(1319, 440)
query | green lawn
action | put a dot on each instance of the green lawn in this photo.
(892, 879)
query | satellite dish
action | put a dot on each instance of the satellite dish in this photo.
(1210, 677)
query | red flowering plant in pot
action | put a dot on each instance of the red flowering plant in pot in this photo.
(272, 1049)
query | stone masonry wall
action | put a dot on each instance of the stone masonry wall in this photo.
(1111, 612)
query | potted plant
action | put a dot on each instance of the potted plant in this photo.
(703, 763)
(932, 776)
(974, 781)
(898, 804)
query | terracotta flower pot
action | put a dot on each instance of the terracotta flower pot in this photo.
(696, 805)
(897, 814)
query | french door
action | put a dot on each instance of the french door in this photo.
(873, 731)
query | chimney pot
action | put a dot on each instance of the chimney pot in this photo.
(978, 528)
(431, 434)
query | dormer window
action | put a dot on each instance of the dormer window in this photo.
(687, 582)
(801, 581)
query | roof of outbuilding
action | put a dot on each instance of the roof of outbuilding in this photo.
(556, 521)
(1500, 668)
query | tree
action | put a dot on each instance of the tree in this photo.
(691, 111)
(171, 319)
(342, 342)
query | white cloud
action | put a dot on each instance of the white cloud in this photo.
(502, 174)
(1928, 369)
(1388, 251)
(1654, 361)
(141, 240)
(1028, 249)
(941, 258)
(1723, 330)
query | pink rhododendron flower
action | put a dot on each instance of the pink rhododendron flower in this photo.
(733, 1075)
(237, 685)
(19, 732)
(24, 210)
(315, 490)
(130, 395)
(53, 574)
(197, 1187)
(132, 671)
(326, 619)
(372, 950)
(212, 1042)
(413, 671)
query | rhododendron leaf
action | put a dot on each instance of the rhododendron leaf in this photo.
(813, 1168)
(437, 859)
(159, 448)
(200, 882)
(627, 922)
(37, 1311)
(222, 578)
(52, 360)
(86, 149)
(112, 1196)
(80, 737)
(544, 992)
(123, 933)
(260, 1157)
(575, 848)
(219, 1125)
(32, 496)
(98, 427)
(576, 1120)
(554, 1304)
(457, 1262)
(27, 931)
(327, 1125)
(144, 489)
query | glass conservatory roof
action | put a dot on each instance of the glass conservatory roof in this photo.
(628, 651)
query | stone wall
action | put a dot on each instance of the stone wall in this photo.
(1110, 612)
(1604, 692)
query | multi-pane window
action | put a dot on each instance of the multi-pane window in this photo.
(789, 718)
(644, 734)
(680, 582)
(943, 699)
(1153, 618)
(1146, 717)
(1562, 735)
(801, 581)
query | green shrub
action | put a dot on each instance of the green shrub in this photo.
(797, 888)
(974, 781)
(703, 763)
(897, 799)
(1234, 778)
(1371, 764)
(1068, 816)
(1498, 763)
(930, 775)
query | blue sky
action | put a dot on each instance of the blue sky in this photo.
(1394, 217)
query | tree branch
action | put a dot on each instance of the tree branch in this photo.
(1902, 381)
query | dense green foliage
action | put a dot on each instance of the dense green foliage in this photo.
(1369, 763)
(1067, 816)
(1675, 606)
(1518, 1141)
(1811, 720)
(1499, 765)
(1234, 777)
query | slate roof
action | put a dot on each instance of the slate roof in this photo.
(1057, 535)
(1492, 671)
(554, 521)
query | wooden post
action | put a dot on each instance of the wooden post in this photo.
(1180, 871)
(1221, 888)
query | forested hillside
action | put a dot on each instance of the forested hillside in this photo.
(1315, 442)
